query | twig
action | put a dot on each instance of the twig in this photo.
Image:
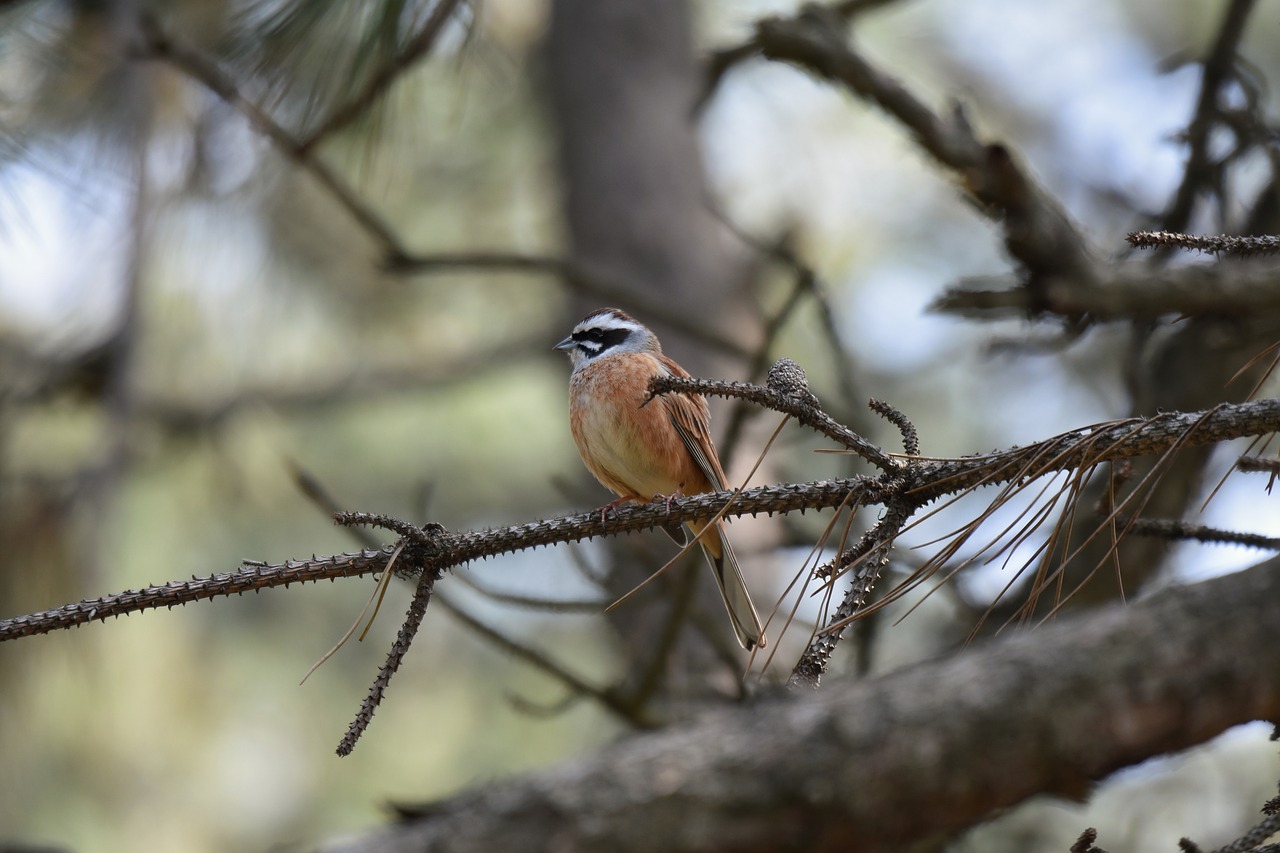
(532, 602)
(805, 411)
(871, 555)
(773, 326)
(628, 711)
(412, 621)
(806, 283)
(1175, 530)
(378, 84)
(1218, 69)
(1084, 844)
(910, 437)
(1213, 244)
(160, 46)
(725, 59)
(651, 673)
(624, 708)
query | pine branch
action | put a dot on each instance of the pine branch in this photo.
(378, 84)
(1038, 231)
(1212, 244)
(1178, 531)
(903, 488)
(161, 46)
(924, 481)
(458, 549)
(1219, 70)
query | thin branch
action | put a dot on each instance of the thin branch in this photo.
(1218, 70)
(1178, 531)
(650, 678)
(722, 61)
(583, 277)
(1038, 232)
(806, 411)
(910, 437)
(1131, 291)
(413, 621)
(1084, 844)
(1213, 244)
(805, 283)
(209, 412)
(379, 83)
(923, 480)
(158, 45)
(870, 555)
(533, 602)
(629, 711)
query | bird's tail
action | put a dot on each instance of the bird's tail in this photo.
(724, 565)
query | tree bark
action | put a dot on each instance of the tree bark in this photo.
(917, 754)
(623, 78)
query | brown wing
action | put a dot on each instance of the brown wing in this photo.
(692, 419)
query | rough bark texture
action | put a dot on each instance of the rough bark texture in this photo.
(916, 754)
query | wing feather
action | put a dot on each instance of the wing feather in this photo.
(691, 417)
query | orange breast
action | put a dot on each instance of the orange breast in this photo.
(635, 452)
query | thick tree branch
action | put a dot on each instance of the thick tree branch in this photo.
(921, 753)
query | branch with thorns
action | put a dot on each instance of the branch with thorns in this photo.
(1211, 244)
(905, 485)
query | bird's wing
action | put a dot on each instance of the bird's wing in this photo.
(692, 419)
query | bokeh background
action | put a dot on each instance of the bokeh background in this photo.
(190, 318)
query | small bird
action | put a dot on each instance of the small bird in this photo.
(643, 452)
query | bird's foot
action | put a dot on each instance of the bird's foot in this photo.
(667, 499)
(612, 505)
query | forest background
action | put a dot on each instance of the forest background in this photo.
(263, 260)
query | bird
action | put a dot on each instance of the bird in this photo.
(643, 450)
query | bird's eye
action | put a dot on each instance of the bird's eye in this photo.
(597, 340)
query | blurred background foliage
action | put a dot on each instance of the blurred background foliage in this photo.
(188, 316)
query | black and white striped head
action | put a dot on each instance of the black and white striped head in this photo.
(605, 332)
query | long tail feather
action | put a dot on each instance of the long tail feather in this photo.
(733, 589)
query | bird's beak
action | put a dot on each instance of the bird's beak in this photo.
(566, 344)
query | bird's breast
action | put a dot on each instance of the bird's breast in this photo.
(630, 447)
